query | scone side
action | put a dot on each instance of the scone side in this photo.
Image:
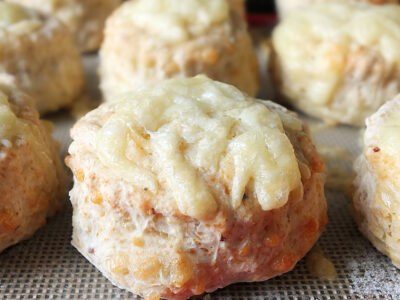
(376, 189)
(33, 180)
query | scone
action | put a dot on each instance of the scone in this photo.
(32, 179)
(376, 199)
(190, 185)
(147, 41)
(85, 18)
(285, 6)
(38, 56)
(338, 61)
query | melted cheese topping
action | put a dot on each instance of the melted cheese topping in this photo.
(10, 125)
(175, 20)
(313, 42)
(184, 127)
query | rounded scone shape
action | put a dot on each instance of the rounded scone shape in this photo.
(338, 61)
(147, 41)
(285, 6)
(376, 198)
(190, 185)
(85, 18)
(32, 179)
(38, 56)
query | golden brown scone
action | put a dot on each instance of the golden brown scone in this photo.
(285, 6)
(377, 186)
(338, 61)
(85, 18)
(147, 41)
(39, 57)
(190, 185)
(32, 179)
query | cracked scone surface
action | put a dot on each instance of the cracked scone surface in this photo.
(376, 198)
(147, 41)
(38, 56)
(32, 179)
(190, 185)
(338, 61)
(85, 18)
(285, 6)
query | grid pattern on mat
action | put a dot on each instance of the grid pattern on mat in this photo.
(48, 267)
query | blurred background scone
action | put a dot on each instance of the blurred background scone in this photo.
(85, 18)
(189, 185)
(338, 61)
(38, 56)
(376, 199)
(32, 179)
(285, 6)
(147, 41)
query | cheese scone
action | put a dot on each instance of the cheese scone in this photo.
(32, 179)
(147, 41)
(285, 6)
(338, 61)
(190, 185)
(38, 56)
(376, 199)
(85, 18)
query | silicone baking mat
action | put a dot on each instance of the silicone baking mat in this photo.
(48, 267)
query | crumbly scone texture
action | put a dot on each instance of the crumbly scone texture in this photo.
(130, 56)
(85, 19)
(32, 177)
(142, 241)
(39, 57)
(338, 61)
(285, 6)
(377, 187)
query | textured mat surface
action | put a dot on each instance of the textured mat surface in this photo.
(48, 267)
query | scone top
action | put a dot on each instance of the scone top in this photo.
(175, 20)
(204, 142)
(317, 40)
(16, 17)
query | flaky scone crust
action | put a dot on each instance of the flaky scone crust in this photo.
(85, 19)
(32, 178)
(130, 57)
(44, 63)
(377, 189)
(177, 256)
